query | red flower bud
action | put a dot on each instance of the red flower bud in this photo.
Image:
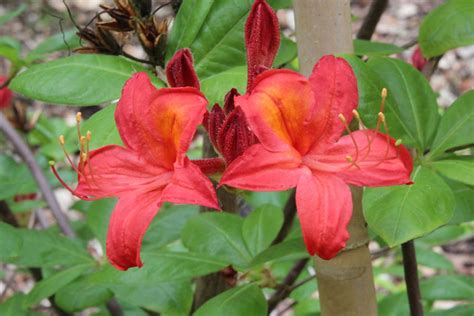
(417, 59)
(6, 94)
(262, 39)
(180, 71)
(228, 129)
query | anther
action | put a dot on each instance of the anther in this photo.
(342, 118)
(349, 159)
(384, 93)
(384, 96)
(88, 136)
(381, 117)
(51, 163)
(398, 142)
(61, 140)
(78, 117)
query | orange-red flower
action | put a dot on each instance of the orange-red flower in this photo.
(156, 127)
(299, 123)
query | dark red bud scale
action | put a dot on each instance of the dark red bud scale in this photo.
(229, 103)
(262, 39)
(180, 71)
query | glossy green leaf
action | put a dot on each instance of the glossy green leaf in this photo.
(286, 53)
(49, 249)
(464, 197)
(394, 305)
(50, 285)
(14, 307)
(415, 100)
(370, 48)
(102, 127)
(261, 227)
(455, 128)
(214, 30)
(401, 213)
(448, 26)
(77, 80)
(443, 235)
(216, 86)
(219, 235)
(243, 300)
(97, 216)
(448, 287)
(15, 178)
(461, 170)
(167, 225)
(13, 14)
(81, 294)
(290, 249)
(10, 242)
(66, 40)
(370, 85)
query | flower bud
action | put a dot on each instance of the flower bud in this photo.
(417, 59)
(262, 39)
(6, 94)
(180, 71)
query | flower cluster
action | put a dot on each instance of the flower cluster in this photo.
(286, 131)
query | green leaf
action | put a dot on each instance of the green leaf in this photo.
(460, 310)
(214, 31)
(14, 307)
(290, 249)
(455, 128)
(102, 127)
(11, 15)
(219, 235)
(448, 26)
(443, 235)
(49, 286)
(287, 52)
(401, 213)
(48, 249)
(415, 100)
(369, 48)
(464, 196)
(10, 242)
(428, 258)
(261, 227)
(166, 227)
(165, 266)
(217, 85)
(10, 48)
(243, 300)
(97, 216)
(77, 80)
(370, 85)
(15, 178)
(461, 170)
(66, 40)
(448, 287)
(394, 305)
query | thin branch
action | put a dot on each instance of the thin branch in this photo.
(372, 19)
(287, 286)
(114, 307)
(411, 278)
(289, 213)
(25, 153)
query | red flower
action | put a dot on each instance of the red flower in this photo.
(156, 127)
(299, 123)
(6, 94)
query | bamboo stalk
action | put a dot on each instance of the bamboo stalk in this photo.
(345, 283)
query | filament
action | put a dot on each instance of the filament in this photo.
(344, 122)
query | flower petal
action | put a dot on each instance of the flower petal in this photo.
(258, 169)
(324, 205)
(280, 109)
(376, 160)
(159, 124)
(114, 170)
(130, 219)
(335, 90)
(190, 186)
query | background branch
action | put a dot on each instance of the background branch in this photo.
(289, 213)
(372, 18)
(411, 278)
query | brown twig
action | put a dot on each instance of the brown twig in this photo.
(289, 213)
(25, 153)
(372, 18)
(288, 284)
(411, 278)
(114, 307)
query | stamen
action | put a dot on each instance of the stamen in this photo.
(398, 142)
(344, 121)
(384, 97)
(67, 187)
(351, 161)
(78, 124)
(66, 154)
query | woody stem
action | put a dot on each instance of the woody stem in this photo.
(411, 278)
